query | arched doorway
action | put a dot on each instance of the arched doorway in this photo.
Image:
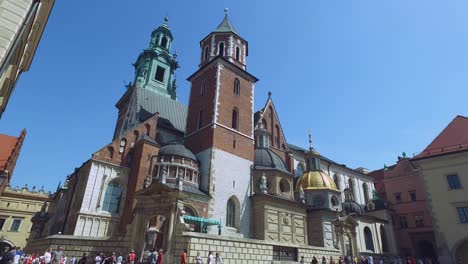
(4, 245)
(426, 249)
(461, 253)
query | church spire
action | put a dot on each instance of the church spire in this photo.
(226, 26)
(313, 157)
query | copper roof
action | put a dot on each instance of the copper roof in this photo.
(454, 138)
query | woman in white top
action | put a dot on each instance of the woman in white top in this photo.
(47, 256)
(218, 260)
(198, 259)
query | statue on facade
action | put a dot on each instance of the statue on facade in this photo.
(164, 174)
(263, 184)
(301, 194)
(147, 181)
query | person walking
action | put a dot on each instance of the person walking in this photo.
(210, 258)
(332, 261)
(314, 260)
(153, 257)
(132, 257)
(218, 259)
(324, 260)
(198, 259)
(302, 261)
(160, 257)
(183, 257)
(47, 256)
(56, 256)
(82, 259)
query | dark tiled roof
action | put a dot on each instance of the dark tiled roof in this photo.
(187, 188)
(177, 149)
(352, 207)
(174, 112)
(266, 159)
(452, 139)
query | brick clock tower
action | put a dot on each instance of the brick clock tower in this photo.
(220, 126)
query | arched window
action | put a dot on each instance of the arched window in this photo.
(334, 200)
(235, 118)
(368, 239)
(148, 129)
(277, 136)
(366, 193)
(202, 88)
(231, 213)
(110, 150)
(383, 237)
(123, 143)
(200, 119)
(336, 179)
(221, 49)
(164, 42)
(299, 170)
(284, 186)
(236, 86)
(351, 186)
(136, 134)
(205, 54)
(112, 198)
(237, 53)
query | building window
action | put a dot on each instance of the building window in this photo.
(454, 181)
(159, 74)
(164, 42)
(412, 195)
(383, 237)
(16, 224)
(110, 150)
(463, 214)
(368, 239)
(299, 170)
(336, 179)
(202, 88)
(284, 186)
(277, 136)
(284, 253)
(264, 124)
(112, 198)
(205, 54)
(351, 186)
(398, 197)
(2, 223)
(366, 193)
(236, 86)
(237, 53)
(334, 201)
(200, 119)
(403, 221)
(221, 49)
(148, 129)
(418, 220)
(231, 213)
(235, 119)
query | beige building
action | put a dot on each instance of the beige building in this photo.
(444, 168)
(21, 25)
(17, 207)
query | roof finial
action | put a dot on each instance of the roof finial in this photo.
(166, 18)
(269, 94)
(226, 11)
(310, 141)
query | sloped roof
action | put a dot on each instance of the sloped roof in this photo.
(453, 138)
(174, 112)
(8, 144)
(266, 159)
(225, 26)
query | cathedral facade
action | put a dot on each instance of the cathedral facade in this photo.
(215, 175)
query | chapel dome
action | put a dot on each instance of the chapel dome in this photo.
(316, 180)
(176, 149)
(266, 159)
(351, 207)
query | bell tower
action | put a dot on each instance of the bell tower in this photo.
(220, 124)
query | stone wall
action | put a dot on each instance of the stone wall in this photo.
(241, 250)
(74, 246)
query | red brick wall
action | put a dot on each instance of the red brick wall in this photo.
(224, 37)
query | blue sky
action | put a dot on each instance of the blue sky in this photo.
(371, 79)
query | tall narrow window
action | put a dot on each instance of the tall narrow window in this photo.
(159, 74)
(336, 179)
(403, 221)
(264, 124)
(419, 220)
(366, 193)
(202, 88)
(221, 49)
(110, 150)
(164, 42)
(15, 226)
(277, 136)
(236, 86)
(136, 134)
(368, 239)
(112, 198)
(205, 54)
(351, 186)
(231, 213)
(463, 214)
(235, 119)
(237, 53)
(200, 119)
(412, 195)
(383, 237)
(454, 181)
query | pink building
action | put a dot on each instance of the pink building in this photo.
(401, 186)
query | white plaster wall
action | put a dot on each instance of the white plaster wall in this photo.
(204, 159)
(361, 242)
(93, 221)
(227, 169)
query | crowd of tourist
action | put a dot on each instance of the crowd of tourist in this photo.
(369, 260)
(155, 256)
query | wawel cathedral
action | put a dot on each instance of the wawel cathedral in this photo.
(213, 175)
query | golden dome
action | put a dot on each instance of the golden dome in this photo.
(316, 180)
